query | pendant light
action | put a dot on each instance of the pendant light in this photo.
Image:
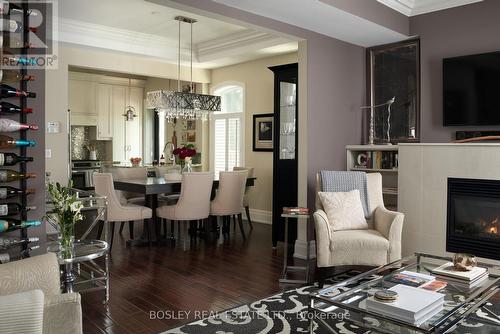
(129, 110)
(183, 104)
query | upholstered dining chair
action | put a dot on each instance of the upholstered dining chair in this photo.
(160, 171)
(229, 199)
(129, 173)
(247, 189)
(193, 203)
(375, 246)
(118, 212)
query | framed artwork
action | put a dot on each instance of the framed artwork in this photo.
(394, 72)
(263, 132)
(191, 136)
(191, 125)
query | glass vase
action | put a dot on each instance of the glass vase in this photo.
(66, 240)
(187, 168)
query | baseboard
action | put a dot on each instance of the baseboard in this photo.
(259, 216)
(300, 251)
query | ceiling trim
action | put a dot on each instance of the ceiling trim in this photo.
(237, 43)
(418, 7)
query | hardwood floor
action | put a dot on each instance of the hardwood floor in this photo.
(207, 277)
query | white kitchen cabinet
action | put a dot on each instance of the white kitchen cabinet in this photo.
(118, 103)
(133, 129)
(82, 97)
(104, 112)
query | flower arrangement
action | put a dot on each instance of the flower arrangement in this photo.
(65, 213)
(135, 161)
(184, 154)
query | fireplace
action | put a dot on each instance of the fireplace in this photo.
(473, 219)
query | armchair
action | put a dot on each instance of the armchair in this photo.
(33, 285)
(378, 245)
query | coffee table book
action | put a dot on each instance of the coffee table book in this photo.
(449, 270)
(413, 305)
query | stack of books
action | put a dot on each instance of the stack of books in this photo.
(295, 211)
(466, 279)
(412, 305)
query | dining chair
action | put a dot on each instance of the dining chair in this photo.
(229, 199)
(125, 197)
(117, 212)
(160, 171)
(193, 203)
(245, 197)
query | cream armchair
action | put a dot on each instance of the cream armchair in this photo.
(378, 245)
(31, 284)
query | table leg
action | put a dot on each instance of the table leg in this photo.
(151, 202)
(285, 250)
(308, 257)
(69, 278)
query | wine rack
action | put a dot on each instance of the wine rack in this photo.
(22, 117)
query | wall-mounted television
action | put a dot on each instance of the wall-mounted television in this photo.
(471, 90)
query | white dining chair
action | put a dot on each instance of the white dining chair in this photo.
(125, 197)
(246, 204)
(193, 203)
(116, 211)
(228, 201)
(174, 171)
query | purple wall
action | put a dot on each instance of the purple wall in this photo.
(336, 88)
(457, 31)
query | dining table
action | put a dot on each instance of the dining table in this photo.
(151, 188)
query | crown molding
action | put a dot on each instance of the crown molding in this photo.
(235, 44)
(417, 7)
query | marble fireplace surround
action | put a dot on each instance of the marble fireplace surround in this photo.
(422, 192)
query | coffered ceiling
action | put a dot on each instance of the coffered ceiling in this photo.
(417, 7)
(144, 28)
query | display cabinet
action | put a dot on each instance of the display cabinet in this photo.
(285, 164)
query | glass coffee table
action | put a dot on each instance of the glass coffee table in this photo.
(348, 298)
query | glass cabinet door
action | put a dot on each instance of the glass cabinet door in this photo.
(288, 99)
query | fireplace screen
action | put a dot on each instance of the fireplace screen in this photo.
(473, 218)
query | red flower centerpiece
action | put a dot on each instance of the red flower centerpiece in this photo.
(187, 151)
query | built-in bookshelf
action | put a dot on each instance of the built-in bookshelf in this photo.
(381, 159)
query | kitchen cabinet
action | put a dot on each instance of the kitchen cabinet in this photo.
(82, 97)
(104, 112)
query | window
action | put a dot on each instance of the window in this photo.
(227, 128)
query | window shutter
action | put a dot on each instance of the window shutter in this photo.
(220, 145)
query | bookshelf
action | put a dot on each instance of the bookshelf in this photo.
(381, 159)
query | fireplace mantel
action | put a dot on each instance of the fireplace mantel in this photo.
(424, 169)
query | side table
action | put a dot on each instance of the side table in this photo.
(286, 267)
(92, 277)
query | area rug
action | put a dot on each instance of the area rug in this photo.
(287, 313)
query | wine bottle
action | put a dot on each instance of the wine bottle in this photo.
(11, 209)
(7, 175)
(6, 257)
(9, 142)
(14, 224)
(10, 25)
(8, 192)
(14, 76)
(9, 125)
(10, 159)
(8, 91)
(9, 108)
(12, 242)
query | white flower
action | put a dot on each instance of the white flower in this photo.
(76, 207)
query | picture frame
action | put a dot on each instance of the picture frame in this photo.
(190, 124)
(263, 132)
(191, 136)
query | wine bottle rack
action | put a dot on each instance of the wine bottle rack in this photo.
(23, 118)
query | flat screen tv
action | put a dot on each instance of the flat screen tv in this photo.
(471, 87)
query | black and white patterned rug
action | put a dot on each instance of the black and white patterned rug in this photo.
(287, 313)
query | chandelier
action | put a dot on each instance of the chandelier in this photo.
(183, 104)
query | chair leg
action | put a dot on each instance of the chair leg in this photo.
(247, 211)
(165, 227)
(130, 228)
(121, 227)
(172, 226)
(240, 222)
(112, 236)
(234, 221)
(148, 230)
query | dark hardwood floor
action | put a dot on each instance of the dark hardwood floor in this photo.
(207, 277)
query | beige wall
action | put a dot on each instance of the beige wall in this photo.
(259, 95)
(56, 81)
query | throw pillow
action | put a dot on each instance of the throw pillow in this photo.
(344, 210)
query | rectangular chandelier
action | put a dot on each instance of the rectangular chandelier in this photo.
(183, 105)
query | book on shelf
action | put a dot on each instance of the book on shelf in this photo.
(413, 305)
(411, 278)
(375, 159)
(295, 210)
(448, 270)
